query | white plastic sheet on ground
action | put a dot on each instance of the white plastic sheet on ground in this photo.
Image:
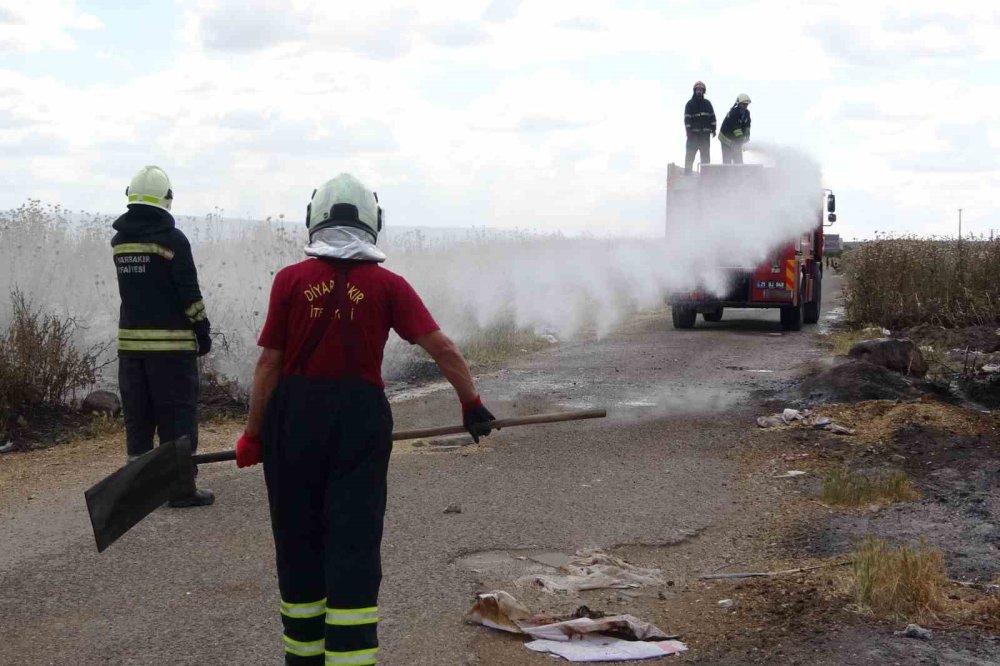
(589, 649)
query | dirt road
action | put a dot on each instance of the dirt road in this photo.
(654, 481)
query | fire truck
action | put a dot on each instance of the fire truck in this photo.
(789, 280)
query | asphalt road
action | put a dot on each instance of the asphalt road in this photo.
(198, 586)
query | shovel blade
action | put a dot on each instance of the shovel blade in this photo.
(127, 496)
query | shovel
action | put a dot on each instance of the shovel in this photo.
(120, 501)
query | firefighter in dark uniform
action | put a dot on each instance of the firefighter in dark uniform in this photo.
(735, 132)
(163, 326)
(699, 123)
(320, 422)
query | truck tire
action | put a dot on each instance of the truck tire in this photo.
(810, 312)
(715, 315)
(683, 317)
(791, 318)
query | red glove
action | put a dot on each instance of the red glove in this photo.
(248, 450)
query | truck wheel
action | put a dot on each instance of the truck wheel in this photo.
(683, 317)
(715, 315)
(791, 318)
(810, 312)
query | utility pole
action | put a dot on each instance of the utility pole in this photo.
(959, 224)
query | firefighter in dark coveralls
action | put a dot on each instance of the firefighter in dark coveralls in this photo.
(699, 122)
(735, 132)
(163, 326)
(320, 422)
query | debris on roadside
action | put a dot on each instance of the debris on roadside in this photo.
(578, 639)
(915, 631)
(453, 508)
(726, 603)
(9, 446)
(593, 571)
(794, 417)
(790, 474)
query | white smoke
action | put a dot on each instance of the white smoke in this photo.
(469, 279)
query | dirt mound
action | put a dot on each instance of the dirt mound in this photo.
(880, 420)
(901, 355)
(855, 381)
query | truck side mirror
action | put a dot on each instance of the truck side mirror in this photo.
(832, 217)
(831, 204)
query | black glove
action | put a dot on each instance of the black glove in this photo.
(204, 344)
(477, 419)
(201, 332)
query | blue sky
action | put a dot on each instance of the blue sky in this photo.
(501, 113)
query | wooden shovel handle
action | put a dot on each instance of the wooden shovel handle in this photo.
(554, 417)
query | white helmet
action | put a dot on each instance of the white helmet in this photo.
(150, 187)
(344, 201)
(743, 98)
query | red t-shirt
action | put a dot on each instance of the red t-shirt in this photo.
(379, 300)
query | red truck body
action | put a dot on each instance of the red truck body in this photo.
(790, 279)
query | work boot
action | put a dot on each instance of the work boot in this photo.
(201, 497)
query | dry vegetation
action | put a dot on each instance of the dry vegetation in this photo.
(841, 488)
(901, 282)
(40, 364)
(902, 583)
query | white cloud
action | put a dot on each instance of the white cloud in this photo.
(539, 114)
(42, 25)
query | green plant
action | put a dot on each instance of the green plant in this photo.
(903, 583)
(842, 488)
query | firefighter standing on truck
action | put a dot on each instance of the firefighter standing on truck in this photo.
(163, 326)
(735, 132)
(320, 421)
(699, 122)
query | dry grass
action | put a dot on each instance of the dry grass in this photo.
(492, 345)
(900, 282)
(842, 341)
(902, 583)
(879, 420)
(841, 488)
(40, 363)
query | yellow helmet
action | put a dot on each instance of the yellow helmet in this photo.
(743, 98)
(150, 187)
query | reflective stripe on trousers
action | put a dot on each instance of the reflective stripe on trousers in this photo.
(354, 658)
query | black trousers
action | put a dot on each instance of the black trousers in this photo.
(697, 143)
(159, 395)
(326, 456)
(732, 154)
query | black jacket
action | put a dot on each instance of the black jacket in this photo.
(699, 116)
(162, 310)
(735, 126)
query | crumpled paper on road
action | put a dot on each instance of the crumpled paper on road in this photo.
(601, 648)
(593, 571)
(500, 610)
(793, 417)
(579, 639)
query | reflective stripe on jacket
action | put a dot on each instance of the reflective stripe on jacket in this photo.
(161, 305)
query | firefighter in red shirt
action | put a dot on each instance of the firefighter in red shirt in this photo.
(320, 421)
